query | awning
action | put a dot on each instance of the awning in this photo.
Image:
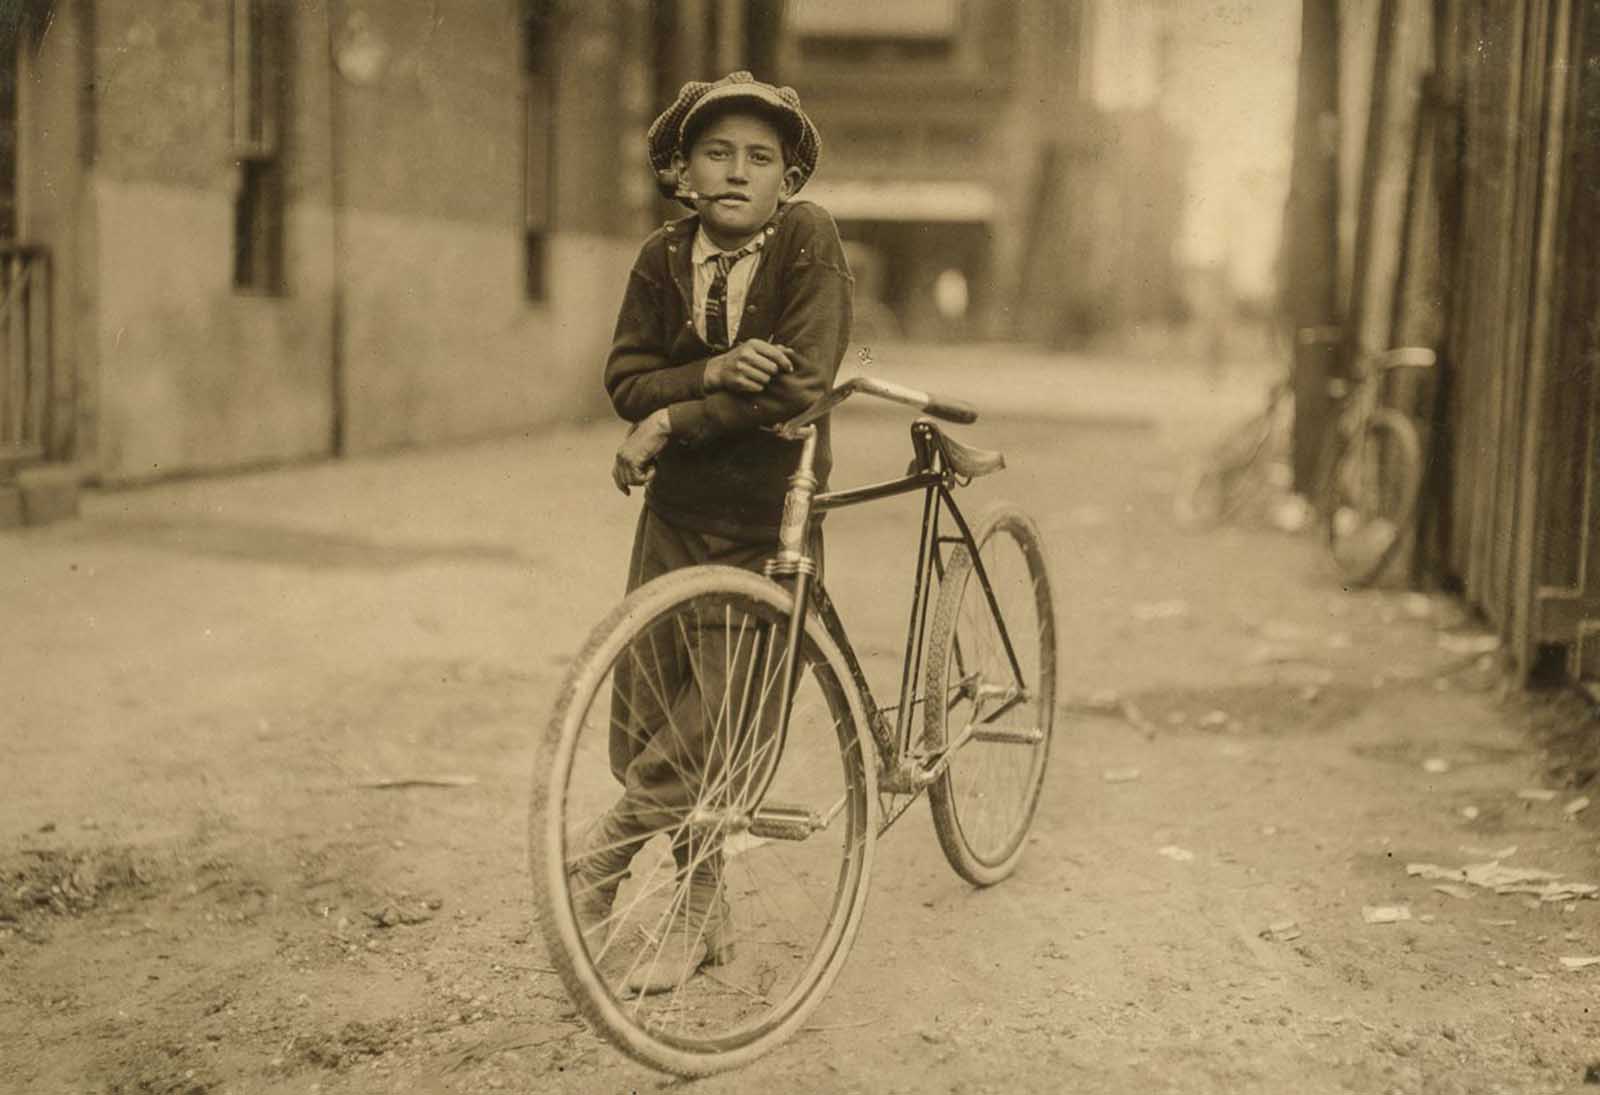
(904, 200)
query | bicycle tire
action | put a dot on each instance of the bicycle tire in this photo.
(706, 1025)
(1370, 494)
(983, 803)
(1201, 498)
(1215, 491)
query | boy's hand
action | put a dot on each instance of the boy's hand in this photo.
(635, 464)
(748, 367)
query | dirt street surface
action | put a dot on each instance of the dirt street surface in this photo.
(268, 743)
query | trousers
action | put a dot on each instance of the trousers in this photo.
(673, 727)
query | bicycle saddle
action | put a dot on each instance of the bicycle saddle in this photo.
(967, 461)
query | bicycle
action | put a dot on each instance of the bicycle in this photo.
(1242, 467)
(802, 769)
(1372, 469)
(1250, 463)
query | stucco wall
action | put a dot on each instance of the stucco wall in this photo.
(194, 375)
(440, 343)
(424, 232)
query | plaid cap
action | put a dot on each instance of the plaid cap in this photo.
(665, 135)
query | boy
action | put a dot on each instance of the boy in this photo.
(735, 319)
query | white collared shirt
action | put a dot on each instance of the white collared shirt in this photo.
(705, 271)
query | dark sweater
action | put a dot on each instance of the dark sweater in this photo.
(722, 473)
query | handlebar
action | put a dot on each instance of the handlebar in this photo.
(951, 410)
(1381, 362)
(1398, 357)
(1405, 357)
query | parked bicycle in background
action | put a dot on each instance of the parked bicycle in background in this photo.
(1368, 476)
(1247, 470)
(1371, 474)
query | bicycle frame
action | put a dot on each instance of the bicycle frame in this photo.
(1359, 398)
(903, 769)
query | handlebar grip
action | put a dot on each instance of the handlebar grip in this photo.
(1408, 357)
(951, 410)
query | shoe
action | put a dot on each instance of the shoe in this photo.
(594, 876)
(591, 904)
(701, 934)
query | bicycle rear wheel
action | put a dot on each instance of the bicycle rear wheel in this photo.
(761, 858)
(993, 713)
(1370, 495)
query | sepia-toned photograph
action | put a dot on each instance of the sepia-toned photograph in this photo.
(879, 547)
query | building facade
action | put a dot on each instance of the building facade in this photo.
(245, 232)
(985, 190)
(280, 230)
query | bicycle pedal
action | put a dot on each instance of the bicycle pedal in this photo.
(780, 821)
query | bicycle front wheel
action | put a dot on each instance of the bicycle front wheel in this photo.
(1371, 495)
(989, 696)
(1217, 489)
(699, 876)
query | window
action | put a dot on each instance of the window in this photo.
(539, 93)
(259, 39)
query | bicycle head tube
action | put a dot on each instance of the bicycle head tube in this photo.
(791, 558)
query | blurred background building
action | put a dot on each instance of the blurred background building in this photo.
(985, 191)
(278, 231)
(242, 232)
(1051, 171)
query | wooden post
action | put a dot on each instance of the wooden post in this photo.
(1416, 303)
(730, 38)
(1312, 232)
(693, 50)
(1539, 217)
(1438, 221)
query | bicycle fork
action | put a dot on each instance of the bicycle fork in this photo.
(791, 561)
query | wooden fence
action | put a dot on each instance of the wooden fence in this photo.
(1478, 232)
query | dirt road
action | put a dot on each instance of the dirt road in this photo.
(210, 883)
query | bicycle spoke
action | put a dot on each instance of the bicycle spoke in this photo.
(646, 890)
(693, 932)
(663, 923)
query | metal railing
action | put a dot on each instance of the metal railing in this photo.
(24, 353)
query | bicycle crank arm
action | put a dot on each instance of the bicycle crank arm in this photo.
(1013, 697)
(1029, 737)
(934, 764)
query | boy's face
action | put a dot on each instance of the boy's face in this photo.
(736, 167)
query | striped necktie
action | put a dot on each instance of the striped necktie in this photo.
(717, 296)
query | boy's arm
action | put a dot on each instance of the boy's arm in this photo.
(814, 326)
(637, 376)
